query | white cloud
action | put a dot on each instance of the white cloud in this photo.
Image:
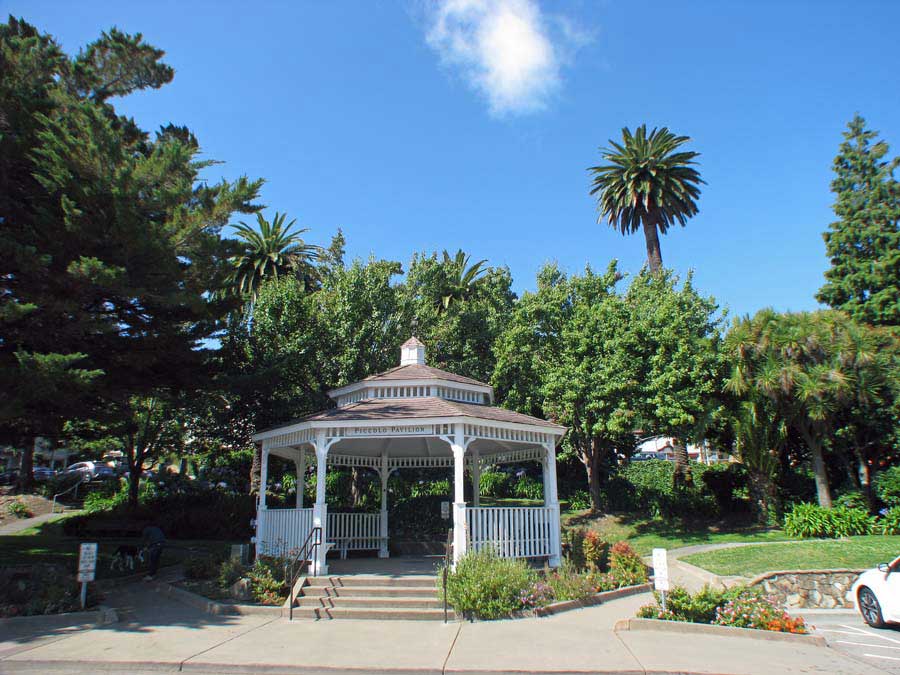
(505, 49)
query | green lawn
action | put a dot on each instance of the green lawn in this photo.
(645, 534)
(748, 561)
(47, 544)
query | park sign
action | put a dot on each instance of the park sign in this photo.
(87, 562)
(392, 430)
(660, 570)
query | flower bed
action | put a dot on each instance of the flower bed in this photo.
(739, 607)
(261, 583)
(485, 586)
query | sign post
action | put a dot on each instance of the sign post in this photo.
(87, 568)
(661, 573)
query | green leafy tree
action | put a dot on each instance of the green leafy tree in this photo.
(110, 248)
(812, 367)
(760, 438)
(675, 333)
(647, 183)
(271, 250)
(864, 242)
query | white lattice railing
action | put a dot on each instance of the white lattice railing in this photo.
(354, 531)
(513, 532)
(280, 530)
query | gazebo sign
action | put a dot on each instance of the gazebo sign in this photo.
(421, 430)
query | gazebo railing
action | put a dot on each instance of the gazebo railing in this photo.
(278, 530)
(512, 531)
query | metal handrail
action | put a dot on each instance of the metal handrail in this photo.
(304, 555)
(447, 549)
(84, 479)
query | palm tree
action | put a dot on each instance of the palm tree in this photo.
(271, 251)
(646, 184)
(465, 277)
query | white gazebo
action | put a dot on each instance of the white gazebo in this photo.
(413, 416)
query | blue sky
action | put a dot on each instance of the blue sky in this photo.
(470, 123)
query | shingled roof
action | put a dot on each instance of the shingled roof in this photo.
(373, 410)
(417, 371)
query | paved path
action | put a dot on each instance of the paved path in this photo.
(20, 524)
(849, 635)
(157, 633)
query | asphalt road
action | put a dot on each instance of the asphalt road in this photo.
(848, 634)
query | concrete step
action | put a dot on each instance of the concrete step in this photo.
(372, 613)
(372, 591)
(398, 602)
(373, 580)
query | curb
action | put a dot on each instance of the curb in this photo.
(686, 628)
(101, 616)
(596, 599)
(217, 608)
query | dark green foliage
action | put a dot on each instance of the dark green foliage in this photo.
(573, 546)
(40, 589)
(852, 500)
(527, 487)
(887, 486)
(889, 521)
(230, 571)
(485, 586)
(418, 517)
(495, 484)
(812, 520)
(727, 483)
(864, 243)
(201, 566)
(648, 487)
(579, 500)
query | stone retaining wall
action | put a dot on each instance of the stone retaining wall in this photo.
(809, 589)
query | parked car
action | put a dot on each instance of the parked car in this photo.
(876, 594)
(43, 474)
(92, 470)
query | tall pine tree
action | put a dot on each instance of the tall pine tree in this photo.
(864, 243)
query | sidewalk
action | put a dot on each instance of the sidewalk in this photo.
(24, 523)
(157, 634)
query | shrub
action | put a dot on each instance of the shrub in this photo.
(887, 486)
(889, 521)
(18, 509)
(579, 500)
(485, 586)
(568, 583)
(229, 572)
(528, 488)
(596, 551)
(811, 520)
(40, 589)
(573, 546)
(727, 484)
(267, 581)
(681, 605)
(495, 484)
(626, 566)
(852, 500)
(98, 501)
(751, 609)
(432, 488)
(648, 487)
(417, 517)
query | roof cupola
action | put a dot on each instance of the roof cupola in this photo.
(412, 352)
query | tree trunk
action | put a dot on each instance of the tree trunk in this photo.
(26, 468)
(682, 476)
(134, 484)
(764, 497)
(255, 469)
(821, 474)
(654, 253)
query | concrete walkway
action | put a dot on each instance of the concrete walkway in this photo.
(19, 524)
(157, 633)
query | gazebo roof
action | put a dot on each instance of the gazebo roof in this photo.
(418, 371)
(373, 410)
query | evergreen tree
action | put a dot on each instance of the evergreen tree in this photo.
(864, 243)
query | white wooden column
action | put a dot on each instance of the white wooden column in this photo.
(459, 501)
(476, 478)
(263, 475)
(301, 476)
(320, 509)
(551, 500)
(385, 474)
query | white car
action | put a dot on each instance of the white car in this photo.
(876, 594)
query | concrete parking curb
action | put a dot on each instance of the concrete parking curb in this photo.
(596, 599)
(217, 608)
(686, 628)
(98, 617)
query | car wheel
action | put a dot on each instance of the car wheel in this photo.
(869, 608)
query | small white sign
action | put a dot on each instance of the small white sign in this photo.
(445, 510)
(85, 576)
(660, 570)
(87, 560)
